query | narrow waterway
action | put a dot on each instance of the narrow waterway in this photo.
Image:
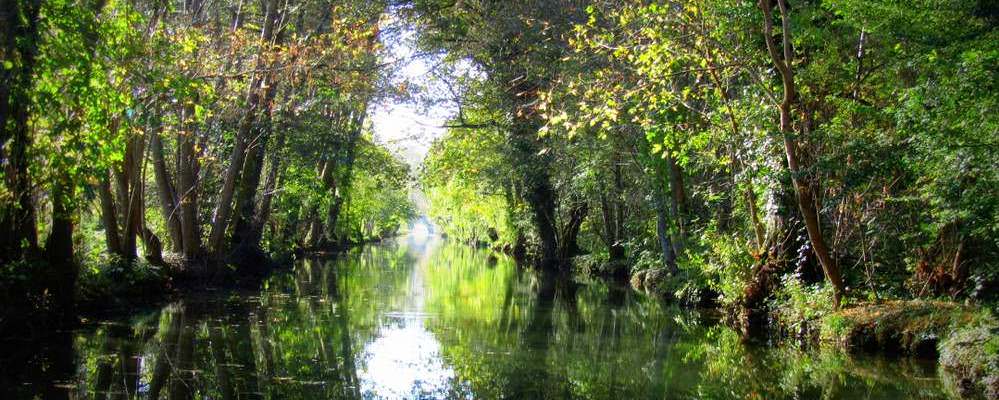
(423, 318)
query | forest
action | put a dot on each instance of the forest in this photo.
(821, 172)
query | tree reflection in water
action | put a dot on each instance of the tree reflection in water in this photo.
(429, 319)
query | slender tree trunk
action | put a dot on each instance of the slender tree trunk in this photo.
(190, 226)
(737, 165)
(220, 221)
(663, 232)
(136, 204)
(612, 213)
(169, 202)
(129, 197)
(341, 184)
(109, 214)
(270, 185)
(243, 236)
(315, 226)
(569, 246)
(678, 202)
(806, 200)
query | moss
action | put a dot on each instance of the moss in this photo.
(903, 327)
(970, 358)
(965, 339)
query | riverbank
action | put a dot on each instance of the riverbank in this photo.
(442, 320)
(107, 285)
(963, 339)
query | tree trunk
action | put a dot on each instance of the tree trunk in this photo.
(315, 227)
(135, 203)
(59, 249)
(109, 216)
(190, 226)
(678, 202)
(169, 202)
(220, 221)
(270, 184)
(20, 37)
(538, 192)
(129, 197)
(153, 246)
(342, 183)
(568, 244)
(243, 236)
(612, 212)
(541, 198)
(663, 232)
(806, 200)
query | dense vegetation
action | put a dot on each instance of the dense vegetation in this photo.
(197, 134)
(729, 148)
(784, 159)
(826, 165)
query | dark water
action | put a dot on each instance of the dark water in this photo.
(426, 319)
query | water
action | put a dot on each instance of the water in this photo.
(423, 318)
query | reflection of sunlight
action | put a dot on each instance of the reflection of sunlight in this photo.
(420, 230)
(405, 362)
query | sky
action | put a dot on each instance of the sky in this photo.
(408, 127)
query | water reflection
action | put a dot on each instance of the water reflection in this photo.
(421, 318)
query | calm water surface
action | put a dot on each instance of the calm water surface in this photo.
(422, 318)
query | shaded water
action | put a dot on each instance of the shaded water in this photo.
(428, 319)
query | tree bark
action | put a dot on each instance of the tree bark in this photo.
(315, 226)
(242, 236)
(568, 243)
(612, 213)
(538, 192)
(129, 196)
(190, 226)
(270, 185)
(169, 203)
(805, 197)
(678, 202)
(663, 231)
(109, 216)
(220, 221)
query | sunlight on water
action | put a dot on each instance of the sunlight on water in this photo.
(405, 362)
(420, 229)
(424, 318)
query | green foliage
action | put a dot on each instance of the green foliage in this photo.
(799, 307)
(467, 181)
(113, 282)
(378, 199)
